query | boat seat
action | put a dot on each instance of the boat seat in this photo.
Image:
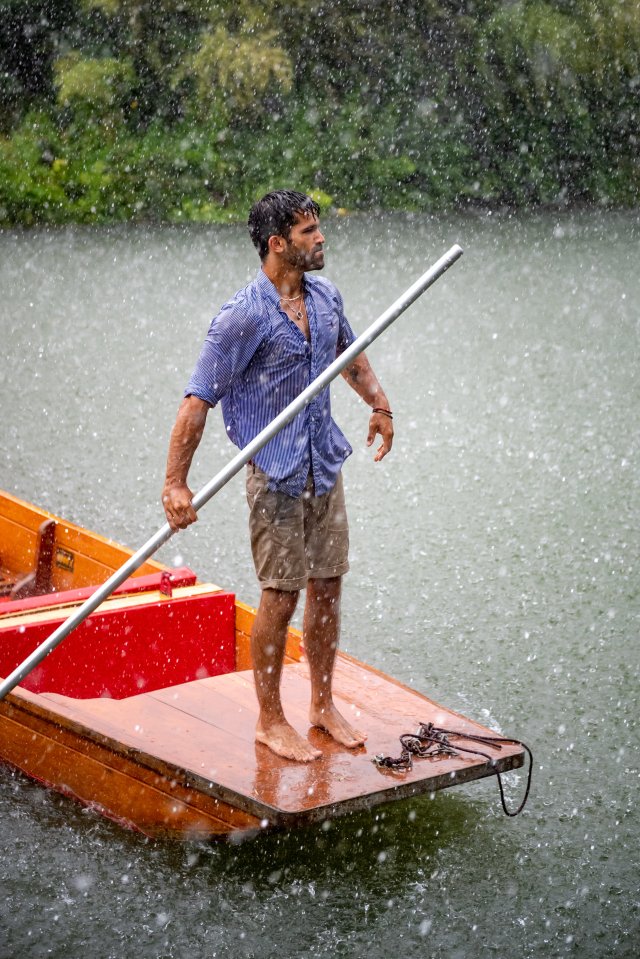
(38, 580)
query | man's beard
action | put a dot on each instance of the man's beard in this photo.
(314, 260)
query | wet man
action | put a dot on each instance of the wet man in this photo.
(266, 345)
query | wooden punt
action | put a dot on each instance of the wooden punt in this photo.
(147, 711)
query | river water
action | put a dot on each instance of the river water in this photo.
(494, 567)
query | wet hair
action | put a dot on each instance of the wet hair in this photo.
(275, 214)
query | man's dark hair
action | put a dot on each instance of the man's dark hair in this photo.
(275, 214)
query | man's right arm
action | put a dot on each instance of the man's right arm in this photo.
(185, 438)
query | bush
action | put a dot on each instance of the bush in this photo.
(186, 112)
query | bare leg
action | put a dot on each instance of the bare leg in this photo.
(268, 638)
(321, 633)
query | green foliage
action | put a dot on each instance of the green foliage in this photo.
(556, 90)
(29, 34)
(97, 88)
(108, 6)
(234, 72)
(187, 110)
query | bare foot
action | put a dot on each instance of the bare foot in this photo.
(328, 718)
(283, 740)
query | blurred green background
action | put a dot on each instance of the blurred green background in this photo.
(187, 110)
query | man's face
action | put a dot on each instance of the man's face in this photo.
(304, 248)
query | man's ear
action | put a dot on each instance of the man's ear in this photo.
(276, 243)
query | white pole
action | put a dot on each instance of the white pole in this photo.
(234, 466)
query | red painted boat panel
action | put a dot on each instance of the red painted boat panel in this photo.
(122, 650)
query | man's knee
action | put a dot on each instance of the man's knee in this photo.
(279, 603)
(325, 590)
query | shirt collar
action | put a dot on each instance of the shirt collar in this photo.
(267, 288)
(269, 291)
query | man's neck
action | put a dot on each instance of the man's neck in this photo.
(287, 280)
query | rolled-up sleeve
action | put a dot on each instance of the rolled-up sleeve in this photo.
(234, 336)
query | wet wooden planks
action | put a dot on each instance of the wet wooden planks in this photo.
(63, 757)
(204, 732)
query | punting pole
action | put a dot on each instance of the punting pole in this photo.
(235, 465)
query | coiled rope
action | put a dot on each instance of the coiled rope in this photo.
(431, 741)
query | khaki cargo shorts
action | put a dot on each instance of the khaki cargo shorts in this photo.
(294, 539)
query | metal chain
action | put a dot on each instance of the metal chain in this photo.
(431, 741)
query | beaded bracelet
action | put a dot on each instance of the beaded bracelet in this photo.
(385, 412)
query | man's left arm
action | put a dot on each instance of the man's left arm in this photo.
(360, 377)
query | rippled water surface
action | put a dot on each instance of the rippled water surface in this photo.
(494, 567)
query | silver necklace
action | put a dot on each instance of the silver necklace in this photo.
(292, 299)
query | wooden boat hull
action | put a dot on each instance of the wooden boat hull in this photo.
(169, 748)
(183, 762)
(75, 557)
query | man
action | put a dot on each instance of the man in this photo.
(264, 347)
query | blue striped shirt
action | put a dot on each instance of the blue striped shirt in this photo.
(255, 361)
